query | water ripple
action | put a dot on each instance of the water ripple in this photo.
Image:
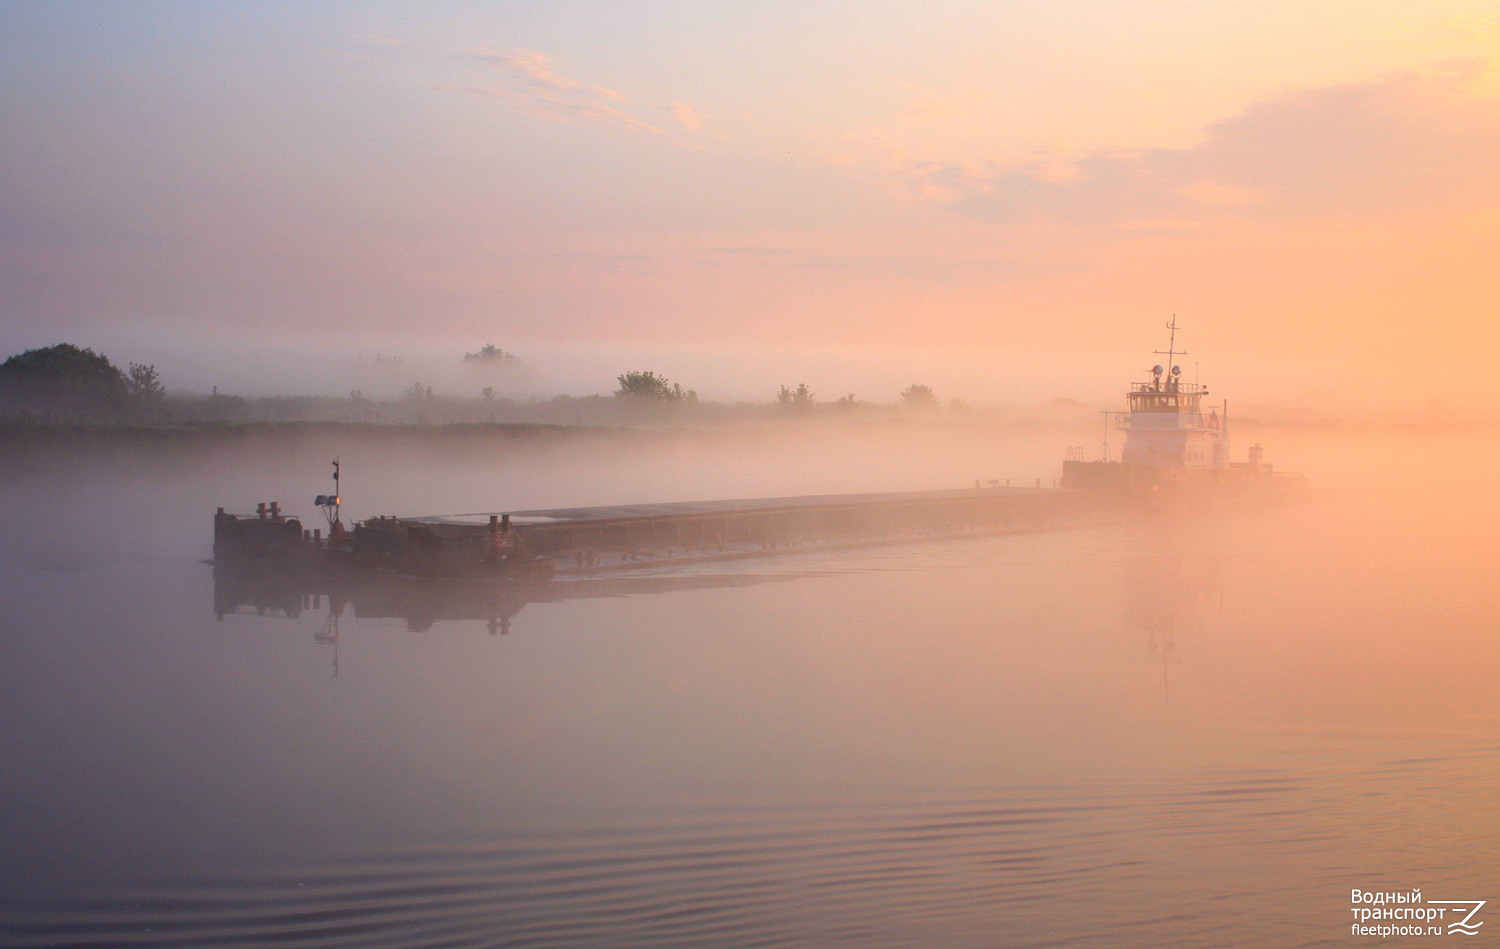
(1034, 867)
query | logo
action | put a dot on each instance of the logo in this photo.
(1464, 925)
(1406, 913)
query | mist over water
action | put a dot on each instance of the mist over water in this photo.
(1199, 728)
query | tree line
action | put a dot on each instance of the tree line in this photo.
(68, 383)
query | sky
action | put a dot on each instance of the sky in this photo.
(1005, 200)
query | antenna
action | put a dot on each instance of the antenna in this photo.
(1171, 352)
(330, 502)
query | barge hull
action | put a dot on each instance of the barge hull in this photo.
(590, 540)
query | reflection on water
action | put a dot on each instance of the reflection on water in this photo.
(1198, 731)
(421, 602)
(1167, 592)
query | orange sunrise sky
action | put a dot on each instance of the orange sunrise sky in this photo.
(1005, 200)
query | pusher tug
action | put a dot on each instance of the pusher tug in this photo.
(1173, 452)
(1176, 446)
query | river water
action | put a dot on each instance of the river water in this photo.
(1200, 729)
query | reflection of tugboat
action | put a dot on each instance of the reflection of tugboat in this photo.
(1167, 592)
(1174, 440)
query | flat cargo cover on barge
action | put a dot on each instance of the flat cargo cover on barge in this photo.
(615, 512)
(636, 535)
(528, 544)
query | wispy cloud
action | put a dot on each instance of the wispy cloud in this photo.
(1402, 142)
(687, 115)
(526, 81)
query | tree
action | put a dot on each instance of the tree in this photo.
(918, 396)
(637, 384)
(63, 379)
(145, 384)
(649, 387)
(490, 353)
(800, 399)
(488, 392)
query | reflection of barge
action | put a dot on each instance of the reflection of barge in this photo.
(1173, 442)
(419, 604)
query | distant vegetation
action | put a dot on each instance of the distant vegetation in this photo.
(416, 392)
(919, 397)
(65, 383)
(145, 385)
(800, 399)
(801, 396)
(491, 354)
(69, 385)
(649, 387)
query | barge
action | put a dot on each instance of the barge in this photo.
(1176, 449)
(535, 544)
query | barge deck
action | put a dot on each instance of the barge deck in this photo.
(630, 537)
(533, 544)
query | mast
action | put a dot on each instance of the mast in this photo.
(330, 505)
(1171, 352)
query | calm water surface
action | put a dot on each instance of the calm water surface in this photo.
(1195, 731)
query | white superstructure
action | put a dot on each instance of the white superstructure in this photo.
(1168, 425)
